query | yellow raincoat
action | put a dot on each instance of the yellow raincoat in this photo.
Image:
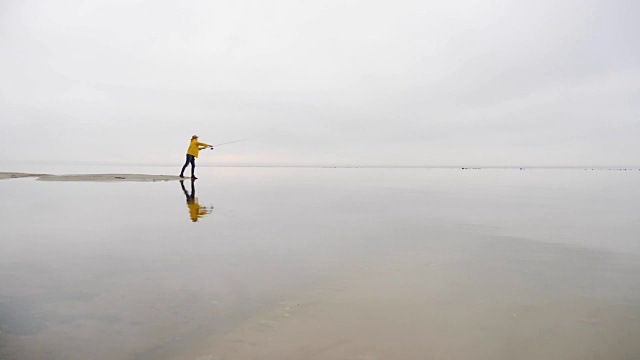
(194, 147)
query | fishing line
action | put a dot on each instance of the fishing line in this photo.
(230, 142)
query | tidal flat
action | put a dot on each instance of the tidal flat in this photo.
(323, 263)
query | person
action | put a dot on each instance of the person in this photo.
(196, 211)
(192, 153)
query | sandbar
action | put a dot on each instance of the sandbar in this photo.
(93, 177)
(16, 175)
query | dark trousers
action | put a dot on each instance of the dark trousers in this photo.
(190, 160)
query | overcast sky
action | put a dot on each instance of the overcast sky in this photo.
(456, 82)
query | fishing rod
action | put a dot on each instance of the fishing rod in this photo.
(230, 142)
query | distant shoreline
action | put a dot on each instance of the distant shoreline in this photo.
(37, 164)
(153, 178)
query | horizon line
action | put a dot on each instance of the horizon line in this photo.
(327, 165)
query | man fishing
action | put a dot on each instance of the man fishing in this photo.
(192, 153)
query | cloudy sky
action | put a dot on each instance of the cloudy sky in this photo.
(404, 82)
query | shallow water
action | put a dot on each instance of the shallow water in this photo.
(121, 270)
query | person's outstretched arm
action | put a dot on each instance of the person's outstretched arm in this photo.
(202, 145)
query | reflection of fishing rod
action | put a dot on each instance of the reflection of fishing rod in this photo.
(230, 142)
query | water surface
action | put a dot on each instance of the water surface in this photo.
(122, 270)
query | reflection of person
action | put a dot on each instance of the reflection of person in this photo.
(192, 153)
(195, 210)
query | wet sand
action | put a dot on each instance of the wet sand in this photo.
(449, 306)
(110, 177)
(16, 175)
(93, 177)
